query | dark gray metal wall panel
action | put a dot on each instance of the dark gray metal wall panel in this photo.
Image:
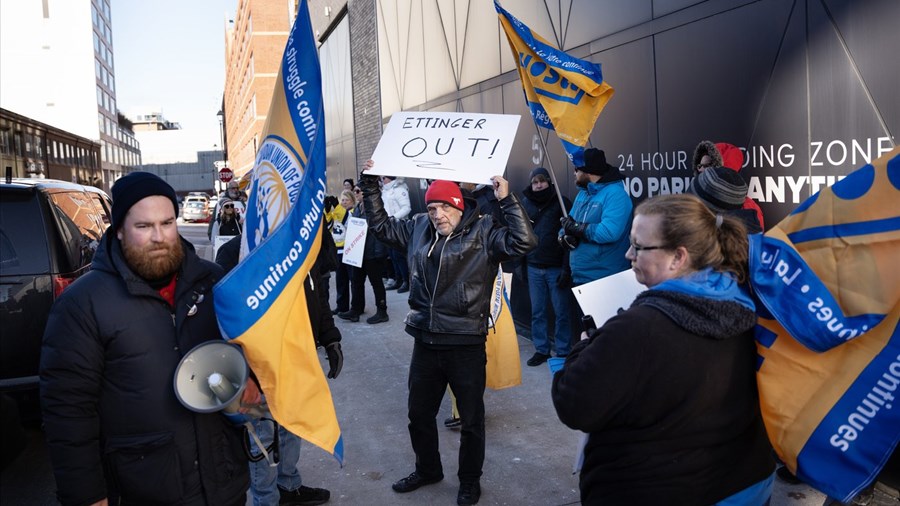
(845, 116)
(663, 7)
(869, 29)
(593, 19)
(776, 147)
(628, 124)
(712, 74)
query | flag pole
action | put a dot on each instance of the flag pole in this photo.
(562, 204)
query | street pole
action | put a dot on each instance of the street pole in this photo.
(221, 115)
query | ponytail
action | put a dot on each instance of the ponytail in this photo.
(712, 240)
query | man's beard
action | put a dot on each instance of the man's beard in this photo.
(156, 266)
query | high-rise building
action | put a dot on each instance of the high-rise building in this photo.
(56, 67)
(254, 44)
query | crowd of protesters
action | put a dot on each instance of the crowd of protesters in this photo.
(645, 443)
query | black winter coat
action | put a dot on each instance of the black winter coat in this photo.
(374, 248)
(113, 423)
(458, 301)
(544, 212)
(667, 392)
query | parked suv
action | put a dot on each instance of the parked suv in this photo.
(49, 231)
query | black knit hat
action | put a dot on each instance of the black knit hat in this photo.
(540, 171)
(134, 187)
(595, 162)
(720, 188)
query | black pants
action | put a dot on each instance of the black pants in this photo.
(463, 367)
(372, 269)
(342, 279)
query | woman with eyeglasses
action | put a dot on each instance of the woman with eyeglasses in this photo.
(666, 390)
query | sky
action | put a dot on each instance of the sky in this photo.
(170, 55)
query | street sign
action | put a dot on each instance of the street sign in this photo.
(225, 175)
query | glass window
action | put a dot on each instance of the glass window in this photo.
(97, 68)
(94, 14)
(22, 251)
(6, 141)
(75, 210)
(27, 141)
(99, 96)
(96, 43)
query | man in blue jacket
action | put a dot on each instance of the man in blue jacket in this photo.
(598, 226)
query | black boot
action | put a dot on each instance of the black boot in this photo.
(350, 315)
(380, 315)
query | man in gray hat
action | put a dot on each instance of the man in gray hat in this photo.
(598, 226)
(115, 429)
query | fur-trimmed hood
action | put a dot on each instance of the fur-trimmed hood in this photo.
(706, 148)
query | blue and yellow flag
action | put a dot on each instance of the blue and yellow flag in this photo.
(261, 304)
(564, 94)
(828, 277)
(504, 367)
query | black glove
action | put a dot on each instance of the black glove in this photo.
(335, 359)
(368, 182)
(568, 242)
(330, 203)
(572, 227)
(564, 280)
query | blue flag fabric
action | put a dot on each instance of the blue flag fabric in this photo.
(261, 304)
(828, 281)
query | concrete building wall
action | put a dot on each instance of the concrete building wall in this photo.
(198, 175)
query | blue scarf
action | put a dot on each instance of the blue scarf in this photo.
(711, 285)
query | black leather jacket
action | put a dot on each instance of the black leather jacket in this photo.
(459, 302)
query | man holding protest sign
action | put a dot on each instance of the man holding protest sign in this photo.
(453, 255)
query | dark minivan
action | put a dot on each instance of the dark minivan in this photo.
(49, 231)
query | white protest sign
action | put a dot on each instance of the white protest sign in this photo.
(457, 146)
(603, 298)
(355, 241)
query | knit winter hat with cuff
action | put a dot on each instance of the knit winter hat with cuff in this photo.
(134, 187)
(446, 192)
(722, 189)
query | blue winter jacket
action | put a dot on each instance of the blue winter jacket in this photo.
(606, 209)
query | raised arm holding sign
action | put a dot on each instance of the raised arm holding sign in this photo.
(462, 147)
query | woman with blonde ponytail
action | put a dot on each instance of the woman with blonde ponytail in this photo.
(667, 389)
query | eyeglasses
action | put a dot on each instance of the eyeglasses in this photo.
(357, 191)
(638, 248)
(228, 206)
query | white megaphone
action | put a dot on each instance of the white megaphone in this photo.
(211, 377)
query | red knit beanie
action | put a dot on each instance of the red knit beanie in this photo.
(447, 192)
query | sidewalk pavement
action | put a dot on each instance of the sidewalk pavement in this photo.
(529, 452)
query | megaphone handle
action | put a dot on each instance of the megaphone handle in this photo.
(274, 448)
